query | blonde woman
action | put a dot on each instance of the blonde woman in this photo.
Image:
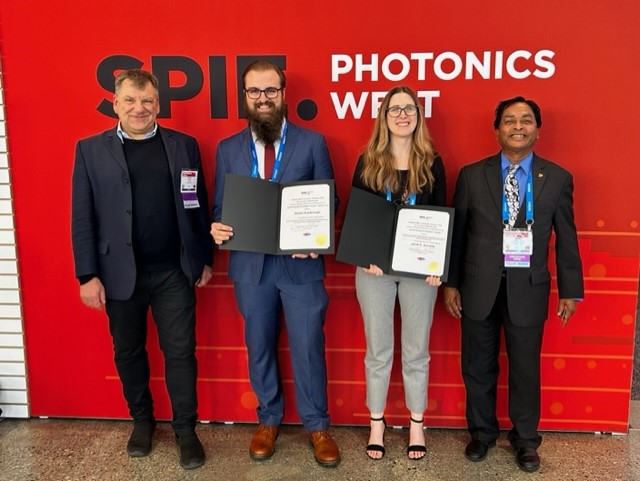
(399, 163)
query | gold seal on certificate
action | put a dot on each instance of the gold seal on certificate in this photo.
(322, 240)
(434, 268)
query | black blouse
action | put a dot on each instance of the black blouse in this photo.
(436, 196)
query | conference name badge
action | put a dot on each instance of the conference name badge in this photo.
(189, 188)
(517, 247)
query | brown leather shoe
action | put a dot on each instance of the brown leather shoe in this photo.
(263, 442)
(325, 448)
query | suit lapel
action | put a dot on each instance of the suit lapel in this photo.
(538, 167)
(539, 178)
(246, 164)
(114, 146)
(170, 148)
(493, 177)
(289, 147)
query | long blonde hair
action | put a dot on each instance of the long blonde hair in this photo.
(378, 171)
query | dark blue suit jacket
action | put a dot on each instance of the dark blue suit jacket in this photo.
(305, 157)
(102, 211)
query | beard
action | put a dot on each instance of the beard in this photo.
(267, 126)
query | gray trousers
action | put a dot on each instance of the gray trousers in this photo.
(377, 297)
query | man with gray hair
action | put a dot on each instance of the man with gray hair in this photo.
(140, 231)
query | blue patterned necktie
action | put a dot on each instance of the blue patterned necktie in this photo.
(512, 194)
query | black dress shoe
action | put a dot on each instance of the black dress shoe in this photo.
(191, 451)
(140, 440)
(477, 450)
(527, 459)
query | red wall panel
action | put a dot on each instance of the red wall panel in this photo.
(50, 58)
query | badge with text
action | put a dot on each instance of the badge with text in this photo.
(189, 188)
(517, 247)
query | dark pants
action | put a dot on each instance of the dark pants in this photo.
(304, 312)
(172, 302)
(480, 369)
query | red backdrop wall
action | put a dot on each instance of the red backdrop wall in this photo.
(580, 64)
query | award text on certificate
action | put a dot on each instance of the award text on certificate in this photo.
(305, 217)
(421, 242)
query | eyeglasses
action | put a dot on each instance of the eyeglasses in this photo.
(270, 92)
(409, 110)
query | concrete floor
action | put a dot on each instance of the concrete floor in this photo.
(57, 450)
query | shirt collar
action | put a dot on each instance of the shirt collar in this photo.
(123, 135)
(525, 163)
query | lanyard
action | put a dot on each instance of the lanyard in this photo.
(528, 204)
(411, 200)
(276, 165)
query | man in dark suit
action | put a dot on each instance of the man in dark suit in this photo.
(499, 276)
(140, 230)
(264, 283)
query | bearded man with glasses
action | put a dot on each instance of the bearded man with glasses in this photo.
(273, 148)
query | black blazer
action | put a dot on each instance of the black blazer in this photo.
(477, 262)
(102, 211)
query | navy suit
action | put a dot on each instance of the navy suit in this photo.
(515, 298)
(264, 283)
(102, 234)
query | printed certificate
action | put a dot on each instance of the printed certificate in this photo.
(412, 241)
(272, 218)
(420, 242)
(305, 217)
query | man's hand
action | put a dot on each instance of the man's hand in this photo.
(92, 294)
(313, 255)
(452, 301)
(207, 272)
(221, 232)
(566, 309)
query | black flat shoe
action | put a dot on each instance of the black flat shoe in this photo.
(191, 451)
(416, 448)
(139, 443)
(377, 447)
(477, 450)
(527, 459)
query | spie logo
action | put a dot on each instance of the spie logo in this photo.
(164, 67)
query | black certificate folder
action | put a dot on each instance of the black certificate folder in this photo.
(272, 218)
(412, 241)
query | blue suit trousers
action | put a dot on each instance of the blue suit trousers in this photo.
(304, 306)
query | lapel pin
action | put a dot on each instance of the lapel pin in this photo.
(540, 174)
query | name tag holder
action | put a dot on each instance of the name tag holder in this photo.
(517, 243)
(517, 247)
(189, 188)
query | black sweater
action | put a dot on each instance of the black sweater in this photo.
(156, 238)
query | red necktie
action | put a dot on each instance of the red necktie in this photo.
(269, 160)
